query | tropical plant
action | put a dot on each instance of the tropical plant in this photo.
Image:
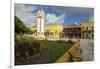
(47, 33)
(27, 47)
(20, 27)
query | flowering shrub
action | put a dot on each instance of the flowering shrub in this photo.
(27, 47)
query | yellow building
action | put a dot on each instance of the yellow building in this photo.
(50, 30)
(87, 30)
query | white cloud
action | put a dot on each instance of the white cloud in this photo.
(52, 18)
(24, 12)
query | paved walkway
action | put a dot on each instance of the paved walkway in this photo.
(87, 46)
(67, 56)
(87, 52)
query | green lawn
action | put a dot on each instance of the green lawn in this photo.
(49, 53)
(56, 49)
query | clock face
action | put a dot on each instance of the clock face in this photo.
(40, 14)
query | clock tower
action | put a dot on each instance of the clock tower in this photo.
(40, 20)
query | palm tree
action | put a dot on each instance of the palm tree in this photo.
(47, 33)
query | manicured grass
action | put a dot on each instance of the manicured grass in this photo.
(56, 49)
(40, 51)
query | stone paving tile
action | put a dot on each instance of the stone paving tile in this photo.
(87, 46)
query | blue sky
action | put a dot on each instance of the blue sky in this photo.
(54, 14)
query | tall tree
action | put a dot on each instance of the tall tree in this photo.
(20, 27)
